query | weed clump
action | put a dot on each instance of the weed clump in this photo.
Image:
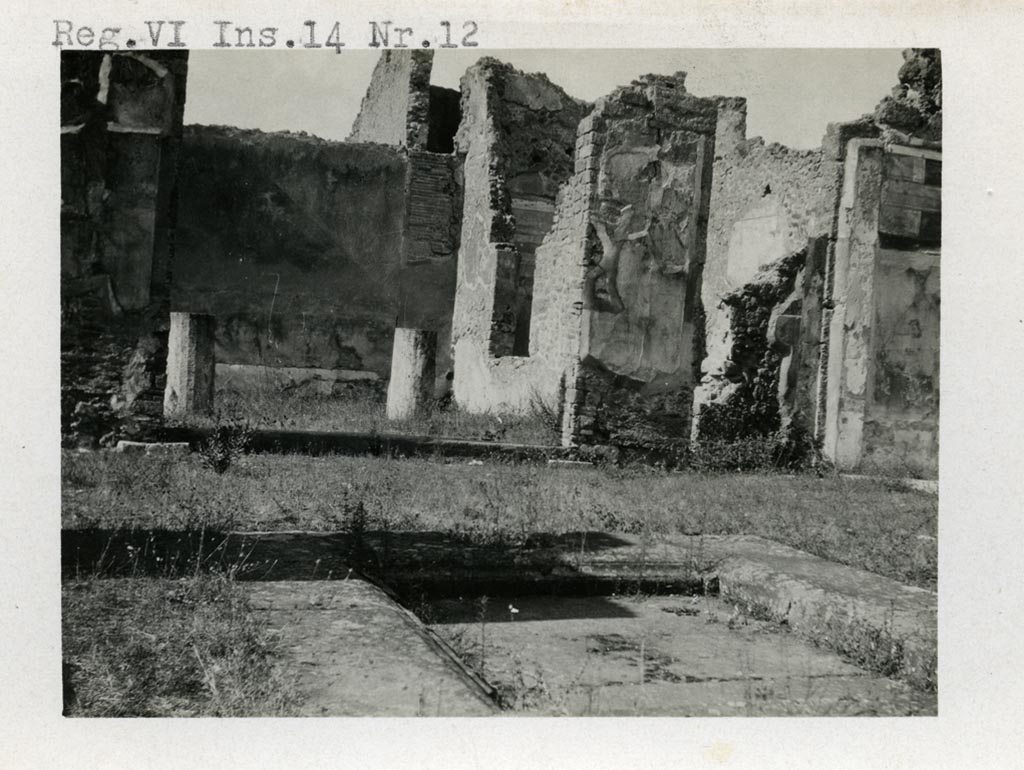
(160, 648)
(792, 450)
(227, 442)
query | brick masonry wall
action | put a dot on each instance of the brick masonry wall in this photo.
(431, 246)
(433, 207)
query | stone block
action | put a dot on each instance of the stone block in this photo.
(143, 447)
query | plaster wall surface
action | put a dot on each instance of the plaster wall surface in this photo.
(767, 201)
(853, 315)
(901, 421)
(294, 244)
(649, 228)
(770, 238)
(644, 251)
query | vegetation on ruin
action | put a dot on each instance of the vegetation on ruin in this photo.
(163, 647)
(878, 525)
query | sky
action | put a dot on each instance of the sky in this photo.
(792, 94)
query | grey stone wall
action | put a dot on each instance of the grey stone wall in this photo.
(882, 407)
(794, 306)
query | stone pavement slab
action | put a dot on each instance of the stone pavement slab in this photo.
(840, 606)
(357, 653)
(848, 609)
(659, 656)
(843, 607)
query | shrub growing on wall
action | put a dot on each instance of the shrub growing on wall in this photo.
(745, 428)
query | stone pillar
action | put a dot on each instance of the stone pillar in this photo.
(851, 359)
(883, 355)
(190, 365)
(412, 372)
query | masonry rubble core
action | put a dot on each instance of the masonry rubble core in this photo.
(637, 265)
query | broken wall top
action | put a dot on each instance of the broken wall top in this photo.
(663, 102)
(914, 110)
(530, 123)
(912, 114)
(396, 107)
(142, 91)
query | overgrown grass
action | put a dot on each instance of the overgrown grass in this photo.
(362, 412)
(876, 525)
(160, 647)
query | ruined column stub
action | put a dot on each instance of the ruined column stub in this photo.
(412, 372)
(190, 365)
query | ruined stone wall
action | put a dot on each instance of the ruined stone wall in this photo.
(881, 404)
(770, 232)
(794, 326)
(121, 118)
(517, 138)
(309, 252)
(294, 244)
(402, 109)
(644, 252)
(396, 107)
(766, 202)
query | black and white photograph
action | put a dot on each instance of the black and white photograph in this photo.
(556, 386)
(500, 399)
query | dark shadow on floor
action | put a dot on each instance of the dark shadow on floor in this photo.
(412, 564)
(315, 443)
(523, 609)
